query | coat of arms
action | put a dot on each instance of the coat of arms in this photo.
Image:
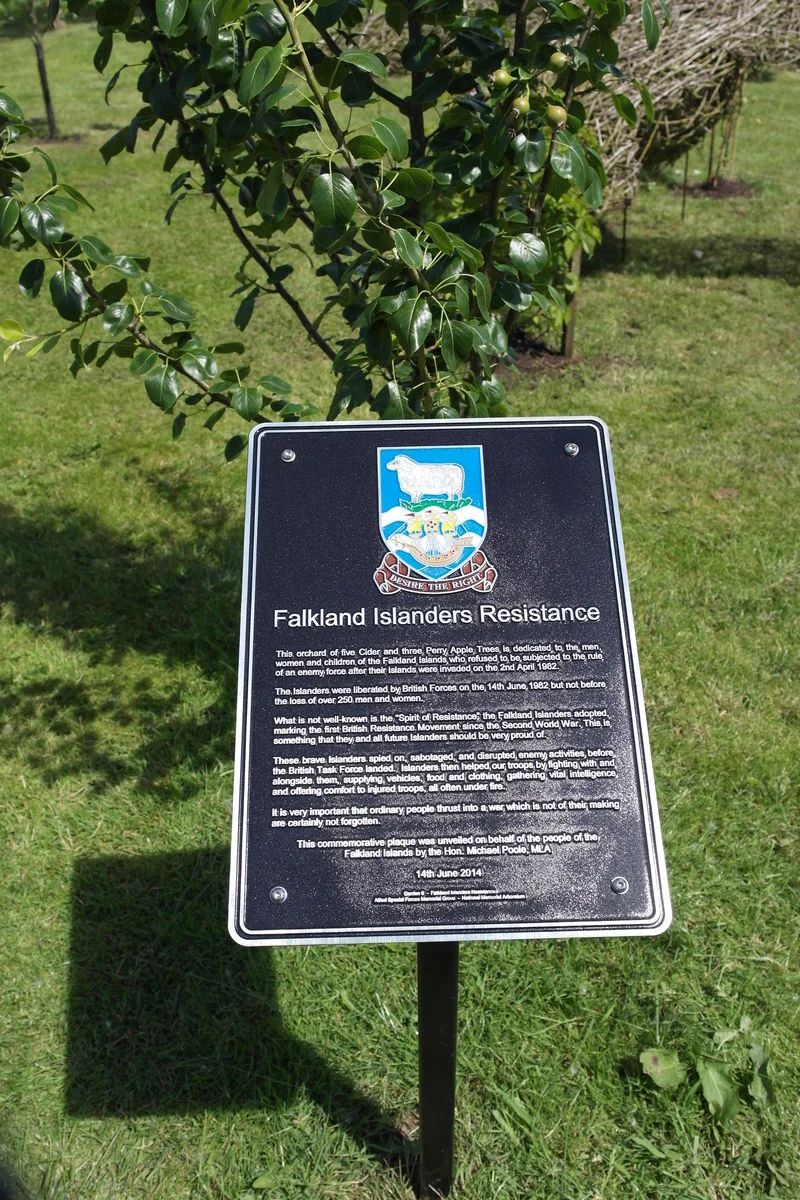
(432, 517)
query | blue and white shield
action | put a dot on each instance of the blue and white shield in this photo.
(432, 507)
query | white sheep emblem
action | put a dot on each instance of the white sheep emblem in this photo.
(427, 479)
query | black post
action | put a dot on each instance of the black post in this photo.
(437, 1017)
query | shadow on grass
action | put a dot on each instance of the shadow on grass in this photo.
(696, 256)
(176, 601)
(166, 1015)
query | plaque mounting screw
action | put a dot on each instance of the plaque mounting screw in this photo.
(278, 895)
(288, 456)
(619, 885)
(572, 448)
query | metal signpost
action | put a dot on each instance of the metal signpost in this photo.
(441, 734)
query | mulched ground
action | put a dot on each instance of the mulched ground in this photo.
(534, 357)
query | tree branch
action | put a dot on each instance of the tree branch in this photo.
(266, 267)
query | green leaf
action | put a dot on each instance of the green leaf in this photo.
(234, 447)
(650, 23)
(231, 10)
(259, 73)
(261, 1182)
(115, 145)
(266, 26)
(103, 52)
(483, 295)
(43, 222)
(456, 343)
(175, 308)
(364, 61)
(561, 156)
(76, 195)
(719, 1089)
(471, 255)
(143, 361)
(663, 1066)
(96, 251)
(31, 277)
(10, 109)
(392, 136)
(247, 402)
(625, 109)
(391, 404)
(9, 215)
(412, 322)
(162, 386)
(333, 199)
(368, 149)
(274, 383)
(200, 364)
(413, 183)
(177, 425)
(170, 14)
(528, 253)
(409, 250)
(117, 318)
(68, 293)
(11, 331)
(517, 296)
(462, 298)
(647, 100)
(530, 152)
(439, 236)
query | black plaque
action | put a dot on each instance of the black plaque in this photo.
(441, 733)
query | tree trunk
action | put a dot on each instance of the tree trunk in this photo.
(48, 103)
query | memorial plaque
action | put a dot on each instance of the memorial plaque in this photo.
(441, 733)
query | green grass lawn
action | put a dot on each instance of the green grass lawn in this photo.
(144, 1055)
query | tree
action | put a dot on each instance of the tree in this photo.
(440, 204)
(33, 19)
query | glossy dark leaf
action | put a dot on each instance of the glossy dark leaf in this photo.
(366, 148)
(528, 253)
(162, 386)
(333, 199)
(440, 237)
(143, 361)
(517, 296)
(200, 365)
(170, 14)
(97, 251)
(483, 295)
(259, 73)
(413, 183)
(31, 278)
(68, 293)
(391, 404)
(364, 61)
(43, 222)
(392, 136)
(178, 426)
(266, 25)
(561, 156)
(117, 318)
(246, 401)
(412, 322)
(409, 250)
(9, 216)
